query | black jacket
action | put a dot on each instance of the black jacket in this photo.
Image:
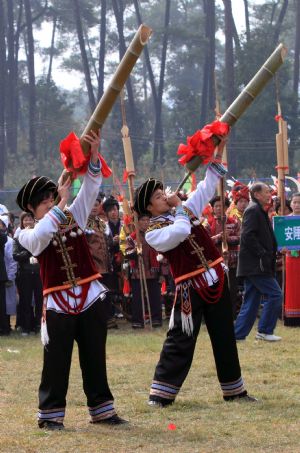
(22, 256)
(258, 246)
(3, 274)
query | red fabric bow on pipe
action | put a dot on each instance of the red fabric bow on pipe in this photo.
(201, 143)
(75, 161)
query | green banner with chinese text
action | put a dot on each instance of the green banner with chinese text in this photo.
(287, 231)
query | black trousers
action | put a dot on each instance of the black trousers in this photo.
(89, 330)
(4, 319)
(233, 288)
(154, 301)
(30, 285)
(178, 349)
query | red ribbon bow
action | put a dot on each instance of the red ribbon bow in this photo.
(201, 144)
(75, 161)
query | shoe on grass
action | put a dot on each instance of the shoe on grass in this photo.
(114, 420)
(160, 403)
(51, 426)
(267, 337)
(244, 397)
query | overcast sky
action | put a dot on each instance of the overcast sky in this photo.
(72, 79)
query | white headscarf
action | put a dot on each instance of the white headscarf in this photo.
(5, 220)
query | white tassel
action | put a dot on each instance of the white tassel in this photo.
(171, 321)
(159, 257)
(187, 324)
(44, 333)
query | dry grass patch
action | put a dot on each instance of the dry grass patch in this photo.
(204, 423)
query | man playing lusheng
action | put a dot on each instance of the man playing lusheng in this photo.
(73, 306)
(201, 289)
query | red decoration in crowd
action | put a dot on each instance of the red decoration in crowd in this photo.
(125, 176)
(240, 190)
(126, 287)
(278, 117)
(208, 212)
(163, 288)
(201, 144)
(127, 219)
(75, 161)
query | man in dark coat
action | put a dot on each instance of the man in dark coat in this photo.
(4, 325)
(256, 264)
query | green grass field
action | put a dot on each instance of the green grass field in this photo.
(204, 423)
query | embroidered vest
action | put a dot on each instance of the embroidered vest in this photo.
(67, 261)
(98, 244)
(193, 257)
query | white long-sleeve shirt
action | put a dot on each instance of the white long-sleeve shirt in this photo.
(38, 238)
(171, 236)
(10, 264)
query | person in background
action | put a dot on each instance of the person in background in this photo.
(151, 267)
(29, 283)
(240, 200)
(100, 242)
(4, 324)
(287, 209)
(280, 257)
(111, 208)
(11, 270)
(233, 233)
(3, 209)
(292, 289)
(256, 264)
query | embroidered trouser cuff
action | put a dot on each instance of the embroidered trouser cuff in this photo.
(163, 392)
(233, 389)
(54, 415)
(102, 411)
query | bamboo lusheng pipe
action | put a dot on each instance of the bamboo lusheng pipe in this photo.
(245, 98)
(117, 82)
(129, 164)
(282, 158)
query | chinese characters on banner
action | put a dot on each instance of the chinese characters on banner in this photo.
(287, 232)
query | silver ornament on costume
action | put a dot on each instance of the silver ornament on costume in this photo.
(64, 238)
(159, 257)
(196, 222)
(79, 232)
(55, 243)
(73, 234)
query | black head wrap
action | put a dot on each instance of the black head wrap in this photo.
(32, 188)
(144, 193)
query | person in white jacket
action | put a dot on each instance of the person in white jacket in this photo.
(11, 270)
(73, 294)
(201, 289)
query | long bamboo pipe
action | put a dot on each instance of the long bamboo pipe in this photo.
(242, 102)
(117, 83)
